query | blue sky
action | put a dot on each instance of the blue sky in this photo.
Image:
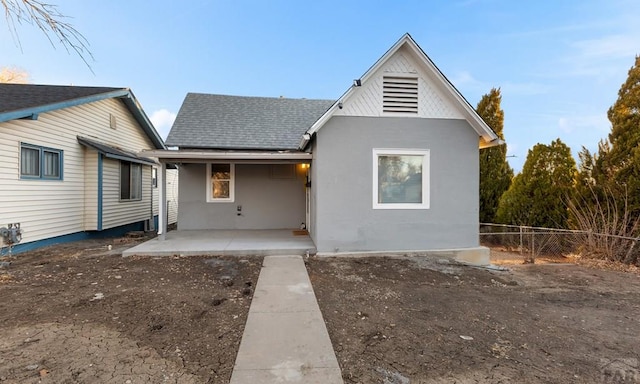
(559, 63)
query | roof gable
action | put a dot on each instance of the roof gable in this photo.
(19, 101)
(432, 100)
(239, 122)
(405, 57)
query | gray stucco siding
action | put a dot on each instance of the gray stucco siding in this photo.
(267, 202)
(343, 185)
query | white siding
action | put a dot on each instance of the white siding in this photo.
(172, 195)
(432, 101)
(116, 212)
(90, 190)
(53, 208)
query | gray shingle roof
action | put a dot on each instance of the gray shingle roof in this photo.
(238, 122)
(15, 97)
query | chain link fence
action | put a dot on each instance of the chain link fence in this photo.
(532, 242)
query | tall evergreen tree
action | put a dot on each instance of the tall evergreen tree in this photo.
(495, 172)
(618, 159)
(538, 195)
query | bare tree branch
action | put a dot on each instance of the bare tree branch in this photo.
(50, 21)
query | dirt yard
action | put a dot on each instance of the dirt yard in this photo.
(80, 313)
(399, 321)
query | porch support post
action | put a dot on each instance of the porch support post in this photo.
(162, 200)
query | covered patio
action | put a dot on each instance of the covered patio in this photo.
(226, 243)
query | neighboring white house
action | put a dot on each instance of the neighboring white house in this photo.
(69, 167)
(392, 165)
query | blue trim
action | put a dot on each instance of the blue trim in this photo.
(29, 112)
(125, 94)
(41, 157)
(100, 184)
(89, 235)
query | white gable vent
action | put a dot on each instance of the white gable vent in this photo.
(400, 94)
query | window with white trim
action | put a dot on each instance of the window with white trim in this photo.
(130, 181)
(38, 162)
(400, 179)
(220, 182)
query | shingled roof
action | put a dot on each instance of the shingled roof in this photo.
(15, 97)
(19, 101)
(239, 122)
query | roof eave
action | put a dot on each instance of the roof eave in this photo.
(124, 94)
(34, 111)
(135, 108)
(222, 155)
(476, 122)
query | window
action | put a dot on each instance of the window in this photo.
(220, 182)
(154, 177)
(400, 179)
(40, 163)
(130, 181)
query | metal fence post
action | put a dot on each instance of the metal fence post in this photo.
(521, 245)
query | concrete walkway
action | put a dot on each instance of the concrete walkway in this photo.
(285, 339)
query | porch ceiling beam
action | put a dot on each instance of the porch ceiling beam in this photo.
(186, 156)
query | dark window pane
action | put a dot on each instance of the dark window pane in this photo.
(125, 180)
(30, 162)
(221, 171)
(51, 164)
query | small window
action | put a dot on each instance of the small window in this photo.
(400, 179)
(154, 177)
(130, 181)
(40, 163)
(220, 182)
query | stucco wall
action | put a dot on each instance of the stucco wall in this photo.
(267, 202)
(343, 171)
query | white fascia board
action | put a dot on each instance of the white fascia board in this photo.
(199, 156)
(327, 115)
(472, 116)
(474, 119)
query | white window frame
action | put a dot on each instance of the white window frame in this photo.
(425, 178)
(232, 183)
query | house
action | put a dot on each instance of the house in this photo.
(69, 167)
(391, 165)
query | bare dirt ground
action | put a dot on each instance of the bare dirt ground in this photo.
(80, 313)
(401, 321)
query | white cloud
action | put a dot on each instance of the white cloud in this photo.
(598, 122)
(526, 89)
(163, 119)
(607, 47)
(463, 78)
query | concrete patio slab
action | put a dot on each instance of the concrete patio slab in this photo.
(285, 338)
(226, 243)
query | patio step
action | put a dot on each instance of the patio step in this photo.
(285, 338)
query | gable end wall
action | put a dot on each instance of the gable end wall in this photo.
(343, 171)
